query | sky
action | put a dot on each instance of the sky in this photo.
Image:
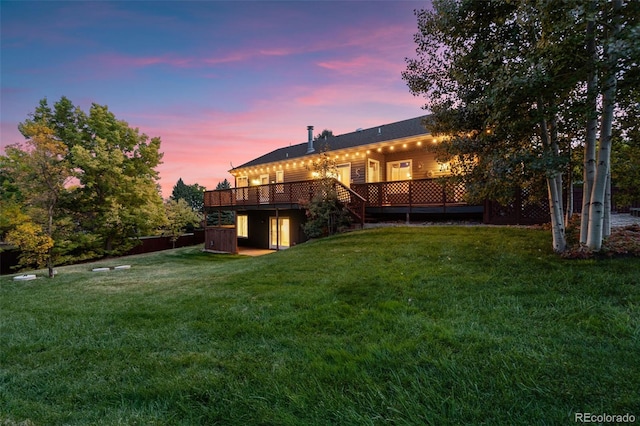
(220, 83)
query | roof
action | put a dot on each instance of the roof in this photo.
(383, 133)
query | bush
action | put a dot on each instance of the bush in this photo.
(326, 215)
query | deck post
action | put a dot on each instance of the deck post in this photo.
(444, 196)
(277, 230)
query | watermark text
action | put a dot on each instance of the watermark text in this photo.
(604, 418)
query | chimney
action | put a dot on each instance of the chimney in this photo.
(310, 147)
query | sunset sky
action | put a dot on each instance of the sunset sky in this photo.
(219, 82)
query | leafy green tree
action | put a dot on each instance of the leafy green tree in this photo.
(192, 194)
(625, 170)
(514, 83)
(34, 244)
(117, 198)
(11, 209)
(179, 216)
(40, 171)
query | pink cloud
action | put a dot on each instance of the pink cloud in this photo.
(237, 56)
(350, 94)
(113, 61)
(279, 51)
(202, 147)
(10, 134)
(360, 65)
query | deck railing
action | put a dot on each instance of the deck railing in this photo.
(419, 192)
(436, 191)
(290, 194)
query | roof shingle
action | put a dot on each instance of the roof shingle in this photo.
(383, 133)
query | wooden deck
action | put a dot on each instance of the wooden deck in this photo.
(428, 195)
(280, 195)
(424, 196)
(434, 196)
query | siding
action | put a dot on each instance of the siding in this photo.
(291, 174)
(424, 166)
(424, 163)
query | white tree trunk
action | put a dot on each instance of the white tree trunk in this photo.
(569, 205)
(549, 136)
(598, 206)
(598, 202)
(554, 186)
(606, 222)
(589, 160)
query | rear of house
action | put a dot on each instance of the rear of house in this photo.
(384, 172)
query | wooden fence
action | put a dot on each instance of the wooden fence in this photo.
(9, 257)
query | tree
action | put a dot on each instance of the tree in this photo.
(117, 199)
(179, 216)
(34, 244)
(625, 158)
(39, 170)
(221, 217)
(224, 217)
(324, 135)
(225, 184)
(326, 215)
(192, 194)
(509, 83)
(11, 208)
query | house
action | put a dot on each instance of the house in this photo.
(384, 172)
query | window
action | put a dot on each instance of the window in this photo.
(279, 180)
(242, 226)
(242, 182)
(264, 189)
(373, 171)
(399, 170)
(344, 174)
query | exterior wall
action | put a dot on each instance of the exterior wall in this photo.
(358, 170)
(291, 174)
(423, 163)
(381, 159)
(258, 227)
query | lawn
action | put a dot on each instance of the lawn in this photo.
(403, 326)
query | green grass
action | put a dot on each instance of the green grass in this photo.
(403, 326)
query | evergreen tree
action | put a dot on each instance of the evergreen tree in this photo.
(225, 217)
(193, 195)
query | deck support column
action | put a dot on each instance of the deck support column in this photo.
(277, 230)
